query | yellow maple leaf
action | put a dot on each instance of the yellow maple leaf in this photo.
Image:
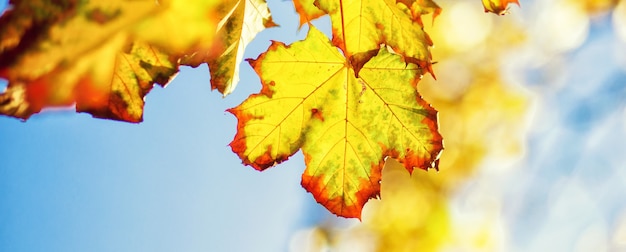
(345, 123)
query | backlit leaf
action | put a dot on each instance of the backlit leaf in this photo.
(345, 124)
(135, 73)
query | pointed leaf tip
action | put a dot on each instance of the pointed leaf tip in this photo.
(307, 11)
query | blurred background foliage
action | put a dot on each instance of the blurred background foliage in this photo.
(531, 107)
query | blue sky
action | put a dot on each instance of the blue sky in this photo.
(568, 193)
(69, 182)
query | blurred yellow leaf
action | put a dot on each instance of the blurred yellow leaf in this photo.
(499, 7)
(595, 6)
(105, 56)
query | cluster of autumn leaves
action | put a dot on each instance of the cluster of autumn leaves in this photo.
(357, 106)
(105, 56)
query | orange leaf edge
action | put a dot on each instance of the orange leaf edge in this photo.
(411, 159)
(238, 145)
(337, 205)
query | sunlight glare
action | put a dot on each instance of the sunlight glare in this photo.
(563, 28)
(464, 27)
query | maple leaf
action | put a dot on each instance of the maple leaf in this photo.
(106, 56)
(345, 123)
(498, 7)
